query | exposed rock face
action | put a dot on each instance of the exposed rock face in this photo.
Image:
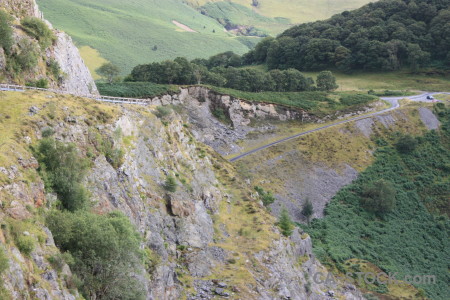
(241, 114)
(428, 118)
(22, 7)
(21, 279)
(186, 228)
(78, 80)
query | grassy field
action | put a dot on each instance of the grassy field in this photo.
(238, 14)
(126, 32)
(298, 11)
(398, 80)
(92, 59)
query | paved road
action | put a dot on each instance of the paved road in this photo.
(394, 101)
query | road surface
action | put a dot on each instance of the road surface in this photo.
(394, 101)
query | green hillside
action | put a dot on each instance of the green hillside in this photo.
(126, 32)
(382, 36)
(413, 237)
(104, 25)
(298, 11)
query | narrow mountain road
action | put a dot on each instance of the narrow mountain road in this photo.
(394, 101)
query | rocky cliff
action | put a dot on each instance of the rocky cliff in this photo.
(74, 77)
(241, 118)
(310, 169)
(78, 79)
(212, 236)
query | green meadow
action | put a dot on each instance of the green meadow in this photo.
(129, 33)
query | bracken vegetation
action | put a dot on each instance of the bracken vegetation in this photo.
(412, 237)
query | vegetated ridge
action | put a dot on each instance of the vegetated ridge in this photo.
(385, 35)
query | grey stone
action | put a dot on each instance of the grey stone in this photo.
(33, 110)
(428, 118)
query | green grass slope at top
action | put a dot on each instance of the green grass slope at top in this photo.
(409, 240)
(136, 89)
(230, 13)
(297, 11)
(126, 32)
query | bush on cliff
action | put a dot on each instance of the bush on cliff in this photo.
(106, 253)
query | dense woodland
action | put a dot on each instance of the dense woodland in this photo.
(385, 35)
(223, 70)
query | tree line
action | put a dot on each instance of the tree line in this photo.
(224, 70)
(385, 35)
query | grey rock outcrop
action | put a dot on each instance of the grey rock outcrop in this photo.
(36, 280)
(428, 118)
(78, 79)
(191, 231)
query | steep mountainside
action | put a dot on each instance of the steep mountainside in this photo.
(209, 237)
(411, 238)
(26, 59)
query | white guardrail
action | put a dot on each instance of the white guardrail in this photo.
(120, 100)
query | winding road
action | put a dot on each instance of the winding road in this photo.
(394, 101)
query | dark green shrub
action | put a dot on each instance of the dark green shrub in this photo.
(26, 57)
(63, 170)
(26, 244)
(308, 210)
(285, 223)
(47, 132)
(171, 184)
(40, 83)
(326, 81)
(267, 198)
(219, 113)
(105, 250)
(114, 156)
(54, 67)
(406, 144)
(6, 37)
(379, 197)
(135, 89)
(163, 111)
(37, 29)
